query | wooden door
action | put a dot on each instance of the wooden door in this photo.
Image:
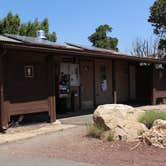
(87, 87)
(143, 84)
(103, 72)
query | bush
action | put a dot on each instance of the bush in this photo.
(95, 131)
(110, 137)
(150, 116)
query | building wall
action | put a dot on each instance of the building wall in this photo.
(23, 94)
(103, 81)
(160, 83)
(122, 81)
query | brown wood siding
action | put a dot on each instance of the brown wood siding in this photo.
(132, 83)
(103, 97)
(87, 84)
(26, 95)
(160, 83)
(122, 81)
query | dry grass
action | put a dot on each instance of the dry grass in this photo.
(110, 137)
(95, 131)
(150, 116)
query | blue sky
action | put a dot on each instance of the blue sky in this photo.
(75, 20)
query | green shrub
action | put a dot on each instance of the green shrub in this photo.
(110, 137)
(95, 131)
(150, 116)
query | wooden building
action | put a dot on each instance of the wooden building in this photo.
(41, 76)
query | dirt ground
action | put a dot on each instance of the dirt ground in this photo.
(72, 144)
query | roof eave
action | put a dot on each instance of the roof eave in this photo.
(61, 49)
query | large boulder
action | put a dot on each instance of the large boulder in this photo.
(121, 119)
(157, 134)
(129, 131)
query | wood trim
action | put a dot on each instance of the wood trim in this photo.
(114, 86)
(25, 111)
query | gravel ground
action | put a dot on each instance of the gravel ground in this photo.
(72, 144)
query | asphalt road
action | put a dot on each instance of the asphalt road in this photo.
(39, 162)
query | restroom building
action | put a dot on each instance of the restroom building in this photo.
(41, 76)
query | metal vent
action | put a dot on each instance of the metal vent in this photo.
(40, 34)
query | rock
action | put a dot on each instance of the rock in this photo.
(156, 135)
(129, 131)
(121, 119)
(57, 122)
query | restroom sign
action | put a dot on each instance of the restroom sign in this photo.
(29, 71)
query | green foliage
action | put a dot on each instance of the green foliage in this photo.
(150, 116)
(11, 24)
(95, 131)
(158, 19)
(101, 39)
(52, 37)
(110, 137)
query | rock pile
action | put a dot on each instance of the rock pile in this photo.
(156, 135)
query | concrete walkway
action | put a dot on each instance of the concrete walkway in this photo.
(25, 132)
(78, 120)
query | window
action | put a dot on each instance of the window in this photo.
(29, 71)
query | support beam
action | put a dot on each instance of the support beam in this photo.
(114, 87)
(129, 83)
(51, 87)
(153, 89)
(94, 85)
(3, 112)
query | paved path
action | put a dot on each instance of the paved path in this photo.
(39, 162)
(45, 150)
(77, 120)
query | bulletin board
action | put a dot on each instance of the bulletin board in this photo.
(72, 70)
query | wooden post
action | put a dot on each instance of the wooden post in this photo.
(51, 87)
(114, 87)
(129, 83)
(94, 85)
(153, 91)
(3, 112)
